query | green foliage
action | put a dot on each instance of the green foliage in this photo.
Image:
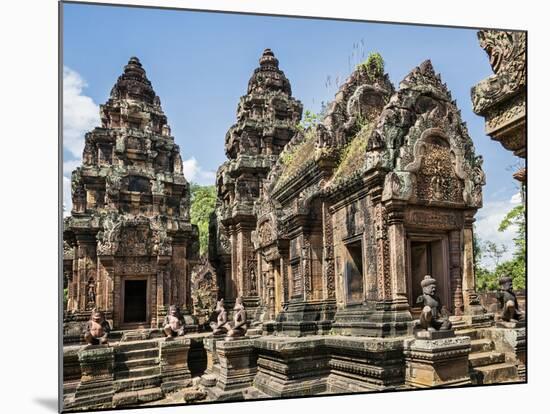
(203, 201)
(374, 65)
(309, 121)
(515, 268)
(352, 156)
(65, 297)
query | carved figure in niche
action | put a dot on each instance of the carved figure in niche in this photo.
(478, 178)
(434, 316)
(238, 327)
(90, 293)
(252, 281)
(173, 323)
(88, 154)
(508, 303)
(184, 206)
(437, 181)
(219, 326)
(97, 329)
(178, 165)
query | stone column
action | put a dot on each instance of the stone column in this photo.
(398, 262)
(173, 364)
(160, 294)
(471, 301)
(398, 265)
(456, 278)
(105, 291)
(86, 266)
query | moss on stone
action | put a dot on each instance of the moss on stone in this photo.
(352, 157)
(373, 66)
(297, 156)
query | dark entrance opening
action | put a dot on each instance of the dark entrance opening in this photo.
(428, 258)
(353, 273)
(135, 301)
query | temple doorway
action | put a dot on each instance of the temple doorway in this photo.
(135, 301)
(428, 255)
(353, 272)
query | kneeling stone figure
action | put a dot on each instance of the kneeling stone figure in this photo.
(434, 316)
(97, 329)
(173, 323)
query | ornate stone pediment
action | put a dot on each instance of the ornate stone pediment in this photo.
(422, 140)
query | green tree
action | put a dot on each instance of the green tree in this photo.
(203, 202)
(515, 268)
(309, 120)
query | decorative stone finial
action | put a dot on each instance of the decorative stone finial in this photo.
(133, 83)
(268, 77)
(268, 58)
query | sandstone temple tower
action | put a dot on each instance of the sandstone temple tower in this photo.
(129, 243)
(267, 117)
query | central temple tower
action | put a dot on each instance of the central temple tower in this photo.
(267, 118)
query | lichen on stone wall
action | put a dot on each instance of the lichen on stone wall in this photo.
(352, 157)
(296, 157)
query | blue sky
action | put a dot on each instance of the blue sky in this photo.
(199, 64)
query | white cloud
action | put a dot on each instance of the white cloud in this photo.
(80, 112)
(69, 166)
(194, 173)
(516, 198)
(486, 227)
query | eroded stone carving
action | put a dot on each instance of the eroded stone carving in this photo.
(97, 329)
(219, 327)
(508, 303)
(173, 324)
(434, 316)
(238, 327)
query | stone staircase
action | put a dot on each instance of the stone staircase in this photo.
(487, 366)
(137, 373)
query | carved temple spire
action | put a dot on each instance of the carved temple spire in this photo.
(268, 77)
(424, 77)
(133, 84)
(267, 115)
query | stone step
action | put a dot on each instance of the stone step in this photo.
(137, 345)
(498, 373)
(482, 345)
(136, 384)
(136, 354)
(471, 333)
(137, 372)
(96, 400)
(137, 397)
(135, 363)
(481, 359)
(69, 387)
